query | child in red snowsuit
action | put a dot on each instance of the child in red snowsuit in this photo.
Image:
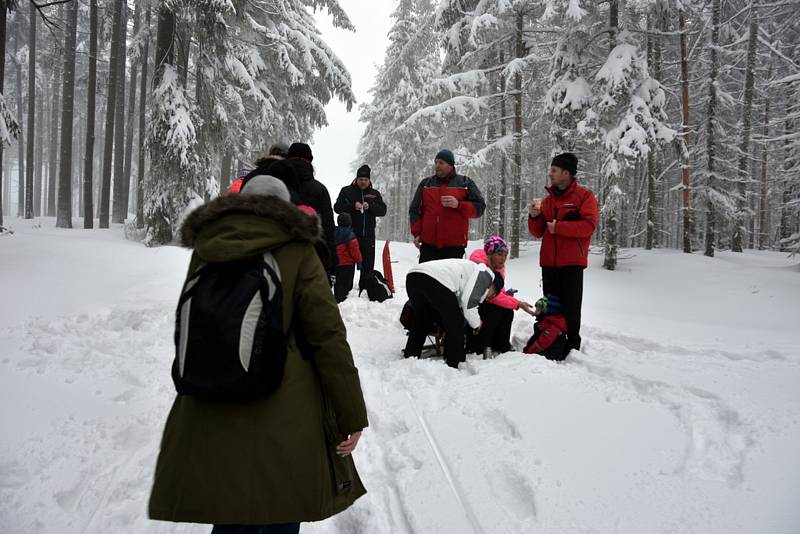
(549, 332)
(349, 255)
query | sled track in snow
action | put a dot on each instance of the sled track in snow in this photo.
(451, 481)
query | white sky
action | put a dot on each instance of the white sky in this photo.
(335, 147)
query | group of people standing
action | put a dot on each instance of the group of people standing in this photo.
(447, 290)
(264, 465)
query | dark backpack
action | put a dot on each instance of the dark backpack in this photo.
(229, 339)
(377, 287)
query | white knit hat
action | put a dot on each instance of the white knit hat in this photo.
(264, 184)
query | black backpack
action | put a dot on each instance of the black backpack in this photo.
(229, 339)
(377, 287)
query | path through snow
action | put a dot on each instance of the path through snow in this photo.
(641, 432)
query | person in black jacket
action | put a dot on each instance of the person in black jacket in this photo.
(313, 193)
(364, 204)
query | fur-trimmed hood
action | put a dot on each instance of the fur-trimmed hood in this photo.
(235, 226)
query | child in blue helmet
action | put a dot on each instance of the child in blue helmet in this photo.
(549, 332)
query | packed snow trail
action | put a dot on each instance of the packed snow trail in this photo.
(679, 415)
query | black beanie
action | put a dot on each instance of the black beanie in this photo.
(567, 161)
(280, 169)
(363, 172)
(300, 150)
(498, 282)
(344, 220)
(447, 156)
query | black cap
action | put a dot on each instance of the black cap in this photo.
(363, 172)
(446, 156)
(280, 169)
(567, 161)
(301, 150)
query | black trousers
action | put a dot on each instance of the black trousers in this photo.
(367, 246)
(495, 329)
(429, 252)
(344, 281)
(567, 284)
(434, 302)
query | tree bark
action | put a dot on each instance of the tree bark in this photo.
(501, 208)
(612, 184)
(3, 178)
(64, 217)
(158, 224)
(763, 227)
(142, 109)
(88, 162)
(31, 110)
(117, 213)
(23, 132)
(53, 155)
(130, 121)
(785, 230)
(711, 132)
(744, 147)
(517, 190)
(686, 180)
(111, 107)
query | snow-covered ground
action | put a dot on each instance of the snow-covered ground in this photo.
(681, 414)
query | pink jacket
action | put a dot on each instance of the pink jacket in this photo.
(502, 299)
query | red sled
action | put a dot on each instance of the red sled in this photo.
(387, 266)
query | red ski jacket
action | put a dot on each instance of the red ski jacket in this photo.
(347, 249)
(549, 327)
(575, 212)
(440, 226)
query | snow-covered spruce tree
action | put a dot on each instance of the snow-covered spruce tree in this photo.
(397, 155)
(569, 92)
(743, 175)
(261, 73)
(487, 68)
(626, 119)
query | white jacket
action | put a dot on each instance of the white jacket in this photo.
(470, 282)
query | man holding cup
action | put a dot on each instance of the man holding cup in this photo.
(565, 221)
(441, 209)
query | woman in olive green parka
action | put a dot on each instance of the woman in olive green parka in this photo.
(273, 460)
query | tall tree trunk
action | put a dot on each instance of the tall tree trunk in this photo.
(31, 110)
(53, 155)
(225, 171)
(785, 230)
(64, 217)
(711, 132)
(158, 223)
(744, 147)
(3, 178)
(517, 190)
(654, 59)
(111, 108)
(614, 194)
(117, 213)
(23, 131)
(686, 182)
(130, 121)
(763, 226)
(142, 108)
(501, 208)
(88, 162)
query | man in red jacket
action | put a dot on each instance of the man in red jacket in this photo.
(565, 220)
(441, 209)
